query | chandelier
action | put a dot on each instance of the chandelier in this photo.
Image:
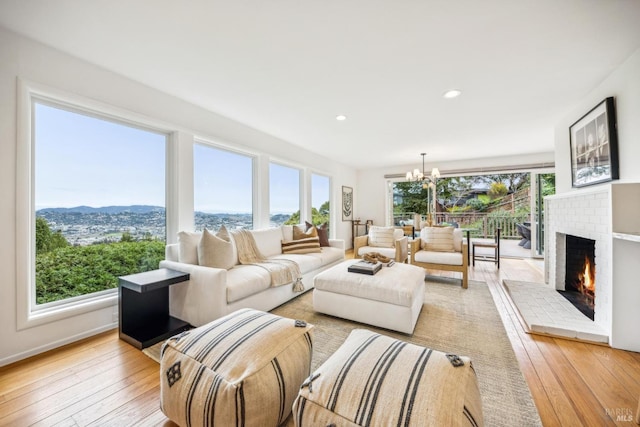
(426, 180)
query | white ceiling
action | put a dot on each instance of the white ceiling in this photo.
(288, 67)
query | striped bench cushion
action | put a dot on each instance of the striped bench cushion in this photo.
(242, 369)
(376, 380)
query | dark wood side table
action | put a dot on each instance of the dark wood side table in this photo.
(144, 307)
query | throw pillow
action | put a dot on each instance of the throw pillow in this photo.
(299, 233)
(437, 239)
(188, 244)
(381, 237)
(302, 246)
(216, 250)
(323, 232)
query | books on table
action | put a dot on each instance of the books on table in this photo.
(364, 267)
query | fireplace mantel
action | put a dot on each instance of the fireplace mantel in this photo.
(605, 214)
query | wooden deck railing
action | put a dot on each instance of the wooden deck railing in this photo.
(484, 225)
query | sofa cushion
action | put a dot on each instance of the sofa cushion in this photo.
(301, 246)
(246, 280)
(323, 232)
(299, 232)
(457, 240)
(268, 241)
(216, 250)
(437, 239)
(306, 262)
(434, 257)
(328, 255)
(188, 242)
(381, 237)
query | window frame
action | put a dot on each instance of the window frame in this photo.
(30, 314)
(331, 204)
(301, 188)
(198, 140)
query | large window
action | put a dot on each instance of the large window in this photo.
(222, 188)
(99, 198)
(284, 195)
(320, 196)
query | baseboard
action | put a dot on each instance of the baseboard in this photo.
(50, 346)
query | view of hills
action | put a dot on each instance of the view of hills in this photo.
(139, 209)
(85, 225)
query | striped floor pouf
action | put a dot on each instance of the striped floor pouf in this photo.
(375, 380)
(243, 369)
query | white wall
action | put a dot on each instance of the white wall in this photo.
(23, 58)
(371, 189)
(624, 85)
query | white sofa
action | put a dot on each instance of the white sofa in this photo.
(214, 292)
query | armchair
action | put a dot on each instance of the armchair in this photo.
(442, 248)
(388, 241)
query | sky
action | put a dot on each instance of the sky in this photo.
(83, 160)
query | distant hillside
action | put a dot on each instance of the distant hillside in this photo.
(139, 209)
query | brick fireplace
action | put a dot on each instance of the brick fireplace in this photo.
(585, 214)
(610, 216)
(580, 274)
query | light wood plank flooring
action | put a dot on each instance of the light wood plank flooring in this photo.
(104, 381)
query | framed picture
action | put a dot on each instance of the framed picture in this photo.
(347, 203)
(594, 146)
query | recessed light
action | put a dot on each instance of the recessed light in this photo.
(452, 93)
(341, 117)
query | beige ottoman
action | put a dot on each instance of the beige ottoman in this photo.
(376, 380)
(391, 299)
(242, 369)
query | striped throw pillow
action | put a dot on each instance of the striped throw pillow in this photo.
(302, 246)
(381, 237)
(437, 239)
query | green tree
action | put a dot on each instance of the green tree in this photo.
(414, 198)
(46, 240)
(513, 181)
(452, 190)
(497, 190)
(126, 237)
(293, 219)
(79, 270)
(318, 216)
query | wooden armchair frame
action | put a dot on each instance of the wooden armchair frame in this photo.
(464, 268)
(401, 246)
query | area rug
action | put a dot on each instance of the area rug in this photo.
(453, 319)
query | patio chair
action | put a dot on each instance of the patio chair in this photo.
(495, 245)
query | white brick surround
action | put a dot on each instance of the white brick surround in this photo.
(587, 214)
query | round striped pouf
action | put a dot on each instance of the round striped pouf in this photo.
(242, 369)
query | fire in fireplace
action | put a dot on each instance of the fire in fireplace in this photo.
(580, 274)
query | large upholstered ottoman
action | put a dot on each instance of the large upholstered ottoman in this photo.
(379, 381)
(242, 369)
(391, 299)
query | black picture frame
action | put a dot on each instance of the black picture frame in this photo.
(593, 143)
(347, 203)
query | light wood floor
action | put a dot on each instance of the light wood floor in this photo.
(104, 381)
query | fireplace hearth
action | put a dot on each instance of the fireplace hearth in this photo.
(580, 274)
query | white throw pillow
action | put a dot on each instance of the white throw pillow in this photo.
(381, 237)
(216, 250)
(188, 244)
(437, 239)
